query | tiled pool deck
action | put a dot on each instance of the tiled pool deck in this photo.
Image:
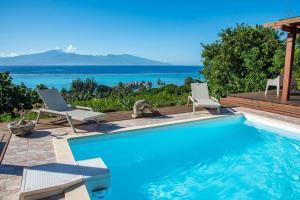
(37, 148)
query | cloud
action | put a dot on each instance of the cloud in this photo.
(70, 49)
(10, 54)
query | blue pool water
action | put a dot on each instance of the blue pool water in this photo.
(214, 159)
(62, 76)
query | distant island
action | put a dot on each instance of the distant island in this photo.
(59, 57)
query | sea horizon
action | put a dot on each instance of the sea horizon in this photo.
(61, 76)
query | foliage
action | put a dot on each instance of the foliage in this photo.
(14, 97)
(123, 96)
(241, 60)
(83, 89)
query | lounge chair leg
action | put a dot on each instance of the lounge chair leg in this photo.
(38, 117)
(70, 123)
(194, 109)
(219, 110)
(266, 92)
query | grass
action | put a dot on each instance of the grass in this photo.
(8, 117)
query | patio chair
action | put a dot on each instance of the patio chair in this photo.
(50, 179)
(278, 83)
(55, 104)
(201, 98)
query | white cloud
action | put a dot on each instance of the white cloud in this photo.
(10, 54)
(70, 49)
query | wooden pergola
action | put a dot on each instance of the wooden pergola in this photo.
(292, 26)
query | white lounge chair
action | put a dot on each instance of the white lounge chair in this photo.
(54, 178)
(201, 98)
(55, 104)
(278, 83)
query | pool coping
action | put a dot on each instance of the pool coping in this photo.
(64, 152)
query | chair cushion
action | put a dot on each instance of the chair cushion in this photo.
(84, 115)
(207, 103)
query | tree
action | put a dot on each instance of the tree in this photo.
(241, 60)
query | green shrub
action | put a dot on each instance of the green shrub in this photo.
(14, 97)
(6, 117)
(241, 60)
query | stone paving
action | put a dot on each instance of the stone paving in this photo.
(32, 150)
(37, 148)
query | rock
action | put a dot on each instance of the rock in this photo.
(142, 108)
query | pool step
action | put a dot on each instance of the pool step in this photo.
(54, 178)
(77, 192)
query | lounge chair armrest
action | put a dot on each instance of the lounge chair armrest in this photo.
(84, 108)
(192, 99)
(50, 111)
(215, 99)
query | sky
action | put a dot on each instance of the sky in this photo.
(170, 31)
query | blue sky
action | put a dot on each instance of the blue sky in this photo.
(169, 31)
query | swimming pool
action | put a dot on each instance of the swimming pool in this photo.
(224, 158)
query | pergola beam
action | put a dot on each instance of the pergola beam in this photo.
(283, 22)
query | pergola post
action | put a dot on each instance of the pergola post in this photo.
(288, 67)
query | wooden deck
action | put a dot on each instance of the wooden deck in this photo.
(269, 103)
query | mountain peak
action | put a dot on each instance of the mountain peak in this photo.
(54, 51)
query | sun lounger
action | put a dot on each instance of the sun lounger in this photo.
(55, 104)
(201, 98)
(50, 179)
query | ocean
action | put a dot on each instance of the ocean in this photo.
(61, 76)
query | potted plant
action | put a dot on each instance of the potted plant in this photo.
(22, 126)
